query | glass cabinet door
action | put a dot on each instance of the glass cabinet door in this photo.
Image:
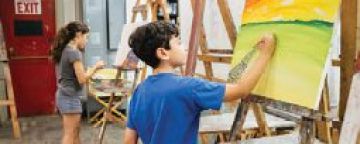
(105, 19)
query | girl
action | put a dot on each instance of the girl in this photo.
(67, 53)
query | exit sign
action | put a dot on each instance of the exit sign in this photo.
(27, 6)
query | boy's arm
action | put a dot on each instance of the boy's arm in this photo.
(130, 137)
(248, 81)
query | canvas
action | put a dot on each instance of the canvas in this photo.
(304, 30)
(124, 56)
(351, 125)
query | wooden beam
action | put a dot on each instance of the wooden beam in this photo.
(154, 8)
(194, 37)
(307, 131)
(239, 120)
(203, 46)
(228, 21)
(165, 10)
(260, 119)
(351, 121)
(335, 62)
(11, 97)
(221, 51)
(6, 103)
(323, 127)
(348, 50)
(202, 39)
(215, 79)
(133, 18)
(357, 63)
(358, 28)
(139, 8)
(216, 58)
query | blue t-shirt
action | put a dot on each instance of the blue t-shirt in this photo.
(166, 108)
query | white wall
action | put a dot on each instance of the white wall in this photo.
(66, 11)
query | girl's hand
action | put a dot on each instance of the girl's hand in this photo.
(99, 64)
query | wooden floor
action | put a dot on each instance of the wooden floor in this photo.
(47, 130)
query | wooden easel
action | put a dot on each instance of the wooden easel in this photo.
(198, 38)
(154, 6)
(143, 9)
(224, 56)
(208, 56)
(312, 122)
(351, 125)
(350, 21)
(10, 102)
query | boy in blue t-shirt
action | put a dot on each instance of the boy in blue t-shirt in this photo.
(165, 108)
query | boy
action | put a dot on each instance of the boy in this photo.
(166, 107)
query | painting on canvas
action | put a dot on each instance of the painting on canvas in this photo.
(304, 29)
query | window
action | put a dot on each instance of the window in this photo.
(106, 19)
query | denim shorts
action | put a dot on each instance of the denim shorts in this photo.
(68, 104)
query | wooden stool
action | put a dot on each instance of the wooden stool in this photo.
(110, 101)
(109, 89)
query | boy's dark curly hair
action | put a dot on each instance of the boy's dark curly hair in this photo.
(145, 40)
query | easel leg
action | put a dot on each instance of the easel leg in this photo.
(335, 134)
(239, 120)
(15, 122)
(143, 73)
(323, 128)
(222, 137)
(307, 131)
(203, 138)
(261, 119)
(11, 97)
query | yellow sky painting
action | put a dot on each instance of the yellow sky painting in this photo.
(289, 10)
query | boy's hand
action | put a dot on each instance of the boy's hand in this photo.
(99, 64)
(249, 79)
(267, 44)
